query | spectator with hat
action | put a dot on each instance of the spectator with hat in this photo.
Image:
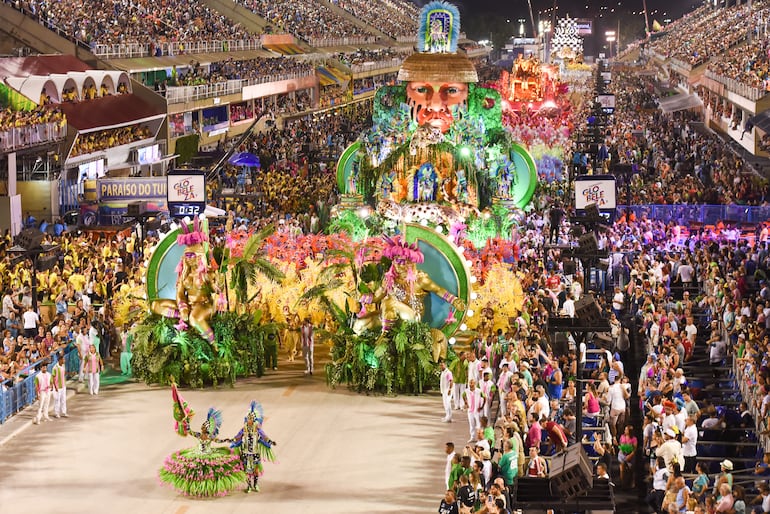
(725, 477)
(671, 449)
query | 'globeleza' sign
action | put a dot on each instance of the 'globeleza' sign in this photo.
(598, 189)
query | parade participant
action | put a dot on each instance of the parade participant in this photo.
(253, 445)
(93, 366)
(59, 380)
(447, 389)
(43, 388)
(191, 471)
(308, 343)
(474, 403)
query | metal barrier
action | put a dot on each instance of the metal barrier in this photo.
(183, 94)
(319, 42)
(747, 91)
(704, 214)
(378, 65)
(30, 135)
(19, 392)
(745, 382)
(130, 50)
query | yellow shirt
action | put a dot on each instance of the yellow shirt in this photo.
(78, 281)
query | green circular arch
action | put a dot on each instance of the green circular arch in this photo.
(345, 166)
(161, 270)
(527, 181)
(444, 264)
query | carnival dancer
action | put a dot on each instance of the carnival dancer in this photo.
(204, 470)
(253, 445)
(59, 379)
(308, 341)
(93, 366)
(43, 386)
(447, 389)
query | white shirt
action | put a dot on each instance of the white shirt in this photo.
(30, 319)
(473, 370)
(688, 448)
(569, 308)
(617, 301)
(7, 306)
(446, 381)
(448, 468)
(615, 396)
(691, 331)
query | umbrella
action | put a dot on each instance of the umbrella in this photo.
(246, 159)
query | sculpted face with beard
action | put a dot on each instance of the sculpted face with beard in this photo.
(432, 102)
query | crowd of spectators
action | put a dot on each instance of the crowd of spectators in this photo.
(334, 95)
(367, 84)
(294, 175)
(748, 64)
(231, 69)
(391, 17)
(74, 296)
(109, 138)
(364, 56)
(305, 18)
(10, 118)
(141, 21)
(709, 32)
(673, 162)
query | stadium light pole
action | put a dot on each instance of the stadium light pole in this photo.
(611, 38)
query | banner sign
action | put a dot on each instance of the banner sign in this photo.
(598, 189)
(131, 189)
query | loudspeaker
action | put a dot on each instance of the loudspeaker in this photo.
(588, 243)
(569, 267)
(587, 310)
(46, 263)
(560, 344)
(592, 211)
(570, 473)
(29, 238)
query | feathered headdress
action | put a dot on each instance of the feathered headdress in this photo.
(213, 422)
(439, 29)
(199, 234)
(438, 59)
(398, 250)
(255, 412)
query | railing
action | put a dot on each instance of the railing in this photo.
(752, 93)
(406, 39)
(182, 94)
(745, 383)
(369, 66)
(320, 42)
(19, 392)
(131, 50)
(683, 67)
(704, 214)
(22, 137)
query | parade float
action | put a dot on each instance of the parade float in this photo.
(201, 323)
(421, 251)
(438, 173)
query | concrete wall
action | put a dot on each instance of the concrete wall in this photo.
(39, 198)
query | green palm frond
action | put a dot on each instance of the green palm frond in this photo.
(265, 267)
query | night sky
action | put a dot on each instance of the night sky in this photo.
(480, 17)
